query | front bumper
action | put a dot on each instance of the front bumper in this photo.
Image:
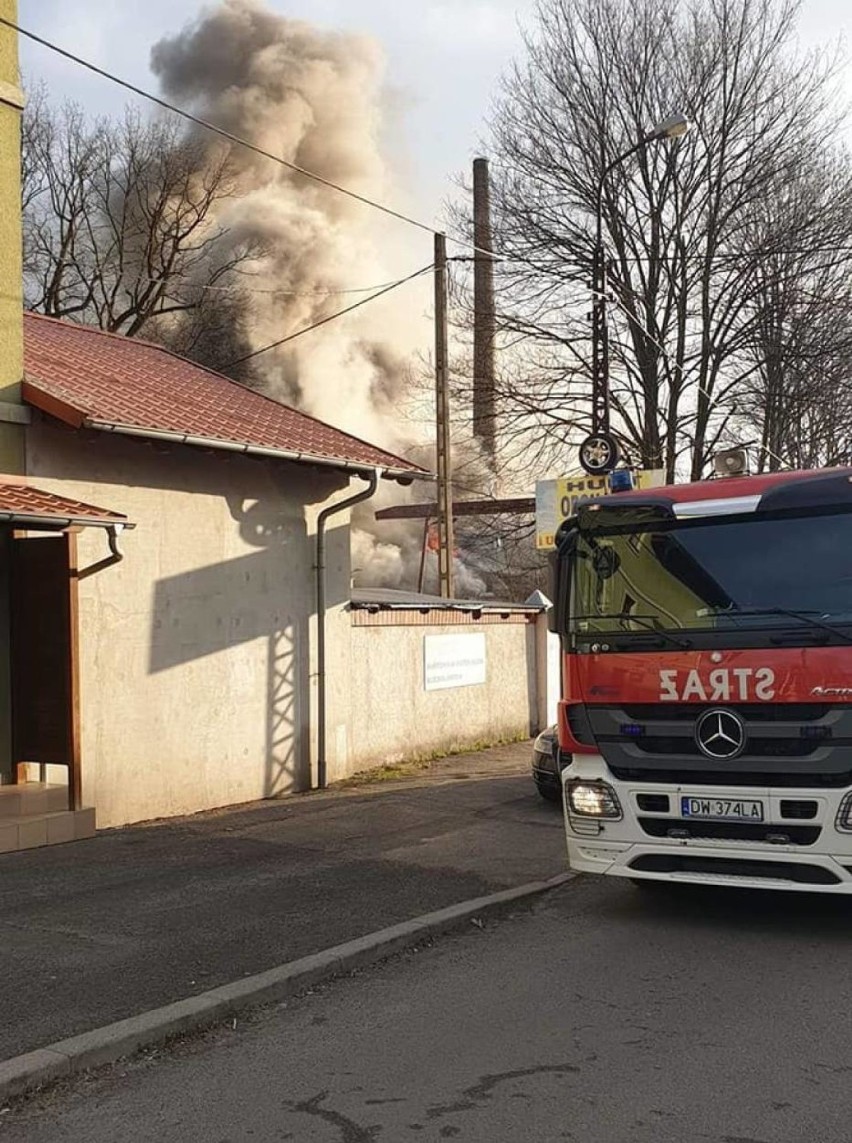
(624, 848)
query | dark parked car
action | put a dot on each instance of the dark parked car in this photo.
(548, 762)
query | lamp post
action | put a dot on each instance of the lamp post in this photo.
(599, 451)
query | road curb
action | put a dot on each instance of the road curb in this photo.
(26, 1073)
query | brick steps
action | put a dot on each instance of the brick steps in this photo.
(34, 814)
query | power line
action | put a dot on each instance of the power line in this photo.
(208, 126)
(274, 291)
(548, 270)
(331, 317)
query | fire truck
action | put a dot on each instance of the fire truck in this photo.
(706, 632)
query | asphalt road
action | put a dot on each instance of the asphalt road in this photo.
(140, 917)
(602, 1015)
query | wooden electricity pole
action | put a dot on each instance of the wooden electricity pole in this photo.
(442, 415)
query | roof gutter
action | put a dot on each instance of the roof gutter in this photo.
(322, 690)
(401, 474)
(29, 520)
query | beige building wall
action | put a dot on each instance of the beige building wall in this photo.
(196, 652)
(11, 294)
(393, 717)
(11, 332)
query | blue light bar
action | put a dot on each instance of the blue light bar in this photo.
(631, 729)
(815, 732)
(621, 480)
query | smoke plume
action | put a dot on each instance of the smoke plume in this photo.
(315, 98)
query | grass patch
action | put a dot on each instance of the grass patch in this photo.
(420, 763)
(386, 773)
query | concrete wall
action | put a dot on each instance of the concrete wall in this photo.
(11, 325)
(393, 716)
(11, 295)
(196, 651)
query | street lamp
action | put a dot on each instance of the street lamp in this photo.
(599, 451)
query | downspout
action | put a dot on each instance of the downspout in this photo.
(117, 555)
(325, 514)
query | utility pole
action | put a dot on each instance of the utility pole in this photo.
(484, 322)
(599, 451)
(442, 415)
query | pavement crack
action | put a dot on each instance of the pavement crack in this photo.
(350, 1131)
(486, 1085)
(442, 1109)
(471, 1096)
(54, 930)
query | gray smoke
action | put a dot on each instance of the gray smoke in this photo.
(315, 98)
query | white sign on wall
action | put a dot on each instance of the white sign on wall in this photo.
(453, 661)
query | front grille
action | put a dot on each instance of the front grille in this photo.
(734, 867)
(786, 744)
(731, 831)
(726, 778)
(751, 712)
(756, 747)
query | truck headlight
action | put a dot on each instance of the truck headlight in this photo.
(843, 821)
(594, 800)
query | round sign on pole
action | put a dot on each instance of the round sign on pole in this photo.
(599, 454)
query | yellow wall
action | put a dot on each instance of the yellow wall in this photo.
(11, 293)
(11, 324)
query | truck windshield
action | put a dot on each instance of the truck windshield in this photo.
(715, 574)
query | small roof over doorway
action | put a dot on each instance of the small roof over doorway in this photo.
(25, 506)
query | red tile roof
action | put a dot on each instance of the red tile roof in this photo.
(22, 503)
(100, 380)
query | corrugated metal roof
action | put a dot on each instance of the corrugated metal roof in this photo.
(386, 598)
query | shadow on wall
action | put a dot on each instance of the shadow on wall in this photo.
(266, 595)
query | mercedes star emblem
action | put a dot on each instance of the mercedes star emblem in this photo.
(720, 734)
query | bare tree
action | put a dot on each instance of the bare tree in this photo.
(798, 394)
(688, 269)
(120, 230)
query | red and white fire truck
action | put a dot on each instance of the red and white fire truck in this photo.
(707, 681)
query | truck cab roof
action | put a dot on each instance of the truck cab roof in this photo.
(773, 491)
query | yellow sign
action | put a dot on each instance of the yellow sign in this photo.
(555, 500)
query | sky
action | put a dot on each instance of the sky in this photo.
(443, 60)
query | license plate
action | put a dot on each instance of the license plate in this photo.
(723, 809)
